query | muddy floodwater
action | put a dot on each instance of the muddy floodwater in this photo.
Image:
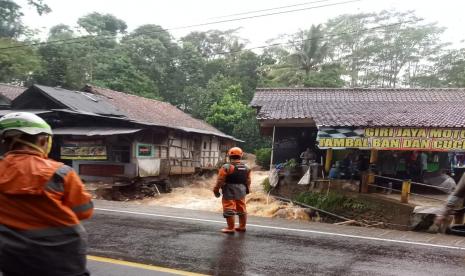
(199, 196)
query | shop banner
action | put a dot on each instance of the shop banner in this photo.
(431, 139)
(83, 150)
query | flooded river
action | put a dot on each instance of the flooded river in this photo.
(199, 196)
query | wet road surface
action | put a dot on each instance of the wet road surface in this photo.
(189, 241)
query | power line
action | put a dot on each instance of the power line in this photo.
(323, 36)
(105, 37)
(361, 31)
(269, 9)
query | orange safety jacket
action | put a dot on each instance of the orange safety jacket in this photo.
(42, 202)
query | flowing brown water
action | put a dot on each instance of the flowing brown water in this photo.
(199, 196)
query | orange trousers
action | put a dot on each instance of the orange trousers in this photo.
(232, 207)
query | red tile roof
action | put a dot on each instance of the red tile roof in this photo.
(11, 91)
(364, 106)
(155, 112)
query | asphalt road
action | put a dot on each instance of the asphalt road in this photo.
(190, 241)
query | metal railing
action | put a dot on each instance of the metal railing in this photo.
(405, 192)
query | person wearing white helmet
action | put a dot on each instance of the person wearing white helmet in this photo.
(43, 202)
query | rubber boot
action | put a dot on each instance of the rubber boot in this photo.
(230, 229)
(242, 223)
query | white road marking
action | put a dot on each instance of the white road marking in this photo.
(288, 229)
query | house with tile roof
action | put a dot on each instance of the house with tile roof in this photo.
(11, 91)
(403, 121)
(108, 135)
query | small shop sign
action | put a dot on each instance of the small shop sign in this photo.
(145, 150)
(83, 150)
(431, 139)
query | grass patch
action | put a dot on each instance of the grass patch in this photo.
(331, 202)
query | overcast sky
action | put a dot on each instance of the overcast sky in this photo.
(175, 13)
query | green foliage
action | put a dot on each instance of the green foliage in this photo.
(121, 75)
(11, 24)
(40, 6)
(310, 49)
(328, 76)
(102, 24)
(266, 185)
(291, 164)
(331, 202)
(229, 111)
(263, 157)
(17, 65)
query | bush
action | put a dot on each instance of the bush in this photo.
(263, 156)
(332, 202)
(291, 164)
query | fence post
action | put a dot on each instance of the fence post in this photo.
(329, 159)
(406, 184)
(365, 182)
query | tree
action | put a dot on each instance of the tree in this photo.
(118, 73)
(102, 24)
(17, 64)
(64, 64)
(205, 97)
(11, 24)
(228, 112)
(445, 70)
(328, 76)
(215, 43)
(350, 44)
(153, 52)
(310, 49)
(248, 130)
(243, 69)
(380, 57)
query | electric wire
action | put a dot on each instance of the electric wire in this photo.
(105, 37)
(269, 9)
(361, 31)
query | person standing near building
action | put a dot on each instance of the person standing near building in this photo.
(234, 181)
(42, 202)
(307, 156)
(455, 200)
(424, 164)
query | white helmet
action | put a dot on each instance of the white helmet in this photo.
(23, 122)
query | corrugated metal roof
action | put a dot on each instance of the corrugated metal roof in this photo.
(81, 101)
(364, 107)
(93, 131)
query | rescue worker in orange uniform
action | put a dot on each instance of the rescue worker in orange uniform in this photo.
(234, 181)
(42, 202)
